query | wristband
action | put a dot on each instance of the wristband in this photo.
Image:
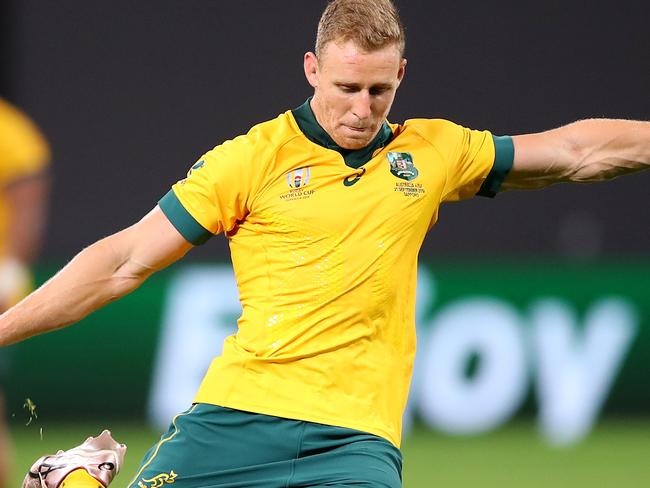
(15, 281)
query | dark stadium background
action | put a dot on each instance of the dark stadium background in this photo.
(131, 93)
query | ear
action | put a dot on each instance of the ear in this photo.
(311, 69)
(402, 71)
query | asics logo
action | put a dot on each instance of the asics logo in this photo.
(352, 179)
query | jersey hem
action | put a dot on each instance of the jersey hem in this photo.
(296, 415)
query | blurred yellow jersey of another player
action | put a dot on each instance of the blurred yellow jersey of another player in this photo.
(324, 245)
(24, 154)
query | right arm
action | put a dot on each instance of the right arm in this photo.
(98, 275)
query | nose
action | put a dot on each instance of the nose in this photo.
(361, 105)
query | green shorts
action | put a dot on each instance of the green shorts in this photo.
(215, 447)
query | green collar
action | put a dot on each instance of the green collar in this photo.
(354, 158)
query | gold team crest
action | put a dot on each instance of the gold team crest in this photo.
(298, 178)
(158, 481)
(401, 165)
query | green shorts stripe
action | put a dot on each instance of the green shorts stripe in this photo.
(215, 447)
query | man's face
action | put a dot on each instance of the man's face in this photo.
(353, 90)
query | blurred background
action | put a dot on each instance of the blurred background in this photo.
(533, 308)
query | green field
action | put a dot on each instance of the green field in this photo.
(616, 454)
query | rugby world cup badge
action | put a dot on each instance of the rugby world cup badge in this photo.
(298, 178)
(401, 165)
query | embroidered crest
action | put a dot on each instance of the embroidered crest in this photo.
(401, 165)
(298, 178)
(158, 481)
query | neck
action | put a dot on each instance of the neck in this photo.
(307, 121)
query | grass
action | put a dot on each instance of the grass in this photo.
(614, 455)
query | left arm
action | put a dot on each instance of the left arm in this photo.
(27, 199)
(585, 151)
(26, 202)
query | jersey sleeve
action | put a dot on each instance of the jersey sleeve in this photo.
(477, 162)
(216, 193)
(23, 149)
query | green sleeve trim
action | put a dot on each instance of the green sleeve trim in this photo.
(504, 156)
(180, 218)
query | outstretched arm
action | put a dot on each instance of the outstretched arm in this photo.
(98, 275)
(588, 150)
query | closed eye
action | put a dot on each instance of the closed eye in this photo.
(378, 90)
(374, 91)
(348, 88)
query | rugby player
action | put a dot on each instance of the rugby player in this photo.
(325, 208)
(24, 160)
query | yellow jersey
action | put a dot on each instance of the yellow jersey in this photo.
(324, 245)
(23, 153)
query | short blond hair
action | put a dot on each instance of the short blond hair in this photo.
(371, 24)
